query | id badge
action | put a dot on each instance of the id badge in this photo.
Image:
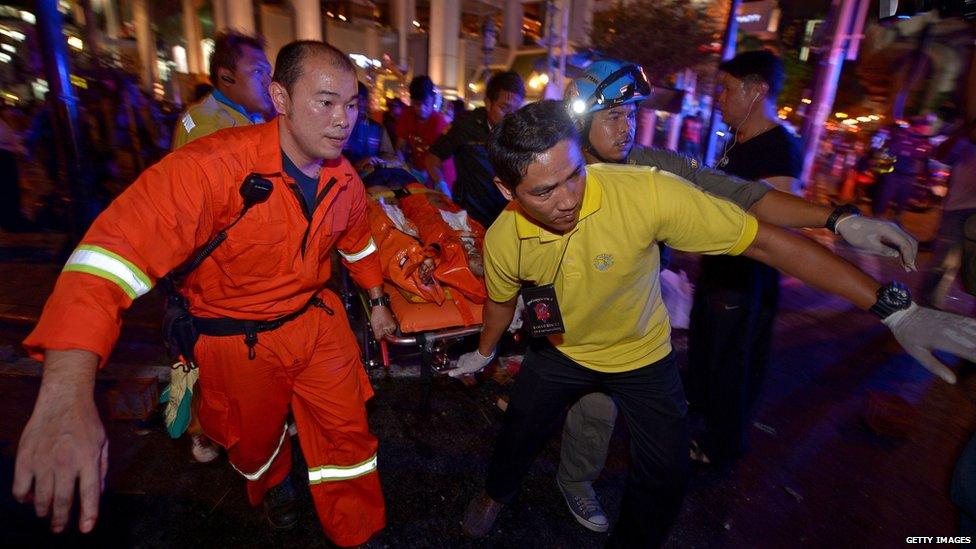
(542, 315)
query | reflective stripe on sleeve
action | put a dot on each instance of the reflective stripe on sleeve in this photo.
(264, 468)
(100, 262)
(352, 258)
(332, 473)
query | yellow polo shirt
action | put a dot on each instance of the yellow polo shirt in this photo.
(607, 287)
(204, 118)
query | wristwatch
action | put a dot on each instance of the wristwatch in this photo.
(892, 297)
(383, 300)
(839, 211)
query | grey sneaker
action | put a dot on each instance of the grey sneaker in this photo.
(586, 509)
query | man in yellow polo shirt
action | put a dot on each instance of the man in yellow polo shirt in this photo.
(591, 232)
(240, 74)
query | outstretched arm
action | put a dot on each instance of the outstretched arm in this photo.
(919, 330)
(781, 208)
(816, 266)
(871, 235)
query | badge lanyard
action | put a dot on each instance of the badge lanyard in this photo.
(542, 314)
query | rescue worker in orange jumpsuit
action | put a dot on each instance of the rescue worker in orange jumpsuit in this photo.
(274, 262)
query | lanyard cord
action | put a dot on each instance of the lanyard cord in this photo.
(518, 267)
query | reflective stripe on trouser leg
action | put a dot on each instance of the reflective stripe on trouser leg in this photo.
(245, 409)
(267, 465)
(331, 473)
(329, 406)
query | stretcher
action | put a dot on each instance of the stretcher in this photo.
(430, 254)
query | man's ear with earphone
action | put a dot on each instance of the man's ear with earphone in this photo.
(763, 90)
(227, 78)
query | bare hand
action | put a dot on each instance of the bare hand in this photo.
(63, 443)
(426, 271)
(382, 322)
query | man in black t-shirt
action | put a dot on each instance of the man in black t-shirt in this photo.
(475, 189)
(736, 298)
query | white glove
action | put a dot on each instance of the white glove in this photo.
(471, 363)
(921, 330)
(879, 237)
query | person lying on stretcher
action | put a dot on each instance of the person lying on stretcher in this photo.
(426, 240)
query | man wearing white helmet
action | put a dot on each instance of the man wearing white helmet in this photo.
(603, 101)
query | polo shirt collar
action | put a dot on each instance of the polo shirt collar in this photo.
(254, 118)
(592, 200)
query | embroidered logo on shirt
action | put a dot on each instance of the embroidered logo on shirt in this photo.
(188, 123)
(603, 262)
(694, 164)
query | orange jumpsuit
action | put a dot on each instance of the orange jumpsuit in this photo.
(273, 261)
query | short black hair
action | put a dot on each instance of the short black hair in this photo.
(228, 48)
(509, 81)
(524, 135)
(363, 90)
(288, 64)
(761, 65)
(421, 87)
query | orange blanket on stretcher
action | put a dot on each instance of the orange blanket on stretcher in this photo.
(426, 244)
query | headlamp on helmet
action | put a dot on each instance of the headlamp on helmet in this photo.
(605, 85)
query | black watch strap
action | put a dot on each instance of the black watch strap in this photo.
(892, 297)
(839, 211)
(383, 300)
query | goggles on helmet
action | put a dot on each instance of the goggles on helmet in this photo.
(637, 87)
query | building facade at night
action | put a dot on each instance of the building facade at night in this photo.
(167, 44)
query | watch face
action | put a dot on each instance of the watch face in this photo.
(891, 298)
(896, 295)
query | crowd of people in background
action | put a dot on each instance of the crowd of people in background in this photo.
(485, 159)
(890, 168)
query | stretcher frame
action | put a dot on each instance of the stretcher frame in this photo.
(432, 344)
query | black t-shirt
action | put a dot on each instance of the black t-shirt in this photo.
(474, 189)
(774, 153)
(307, 184)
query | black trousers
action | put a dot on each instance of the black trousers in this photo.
(652, 401)
(729, 344)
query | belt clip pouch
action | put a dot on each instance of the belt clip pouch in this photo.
(542, 315)
(179, 335)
